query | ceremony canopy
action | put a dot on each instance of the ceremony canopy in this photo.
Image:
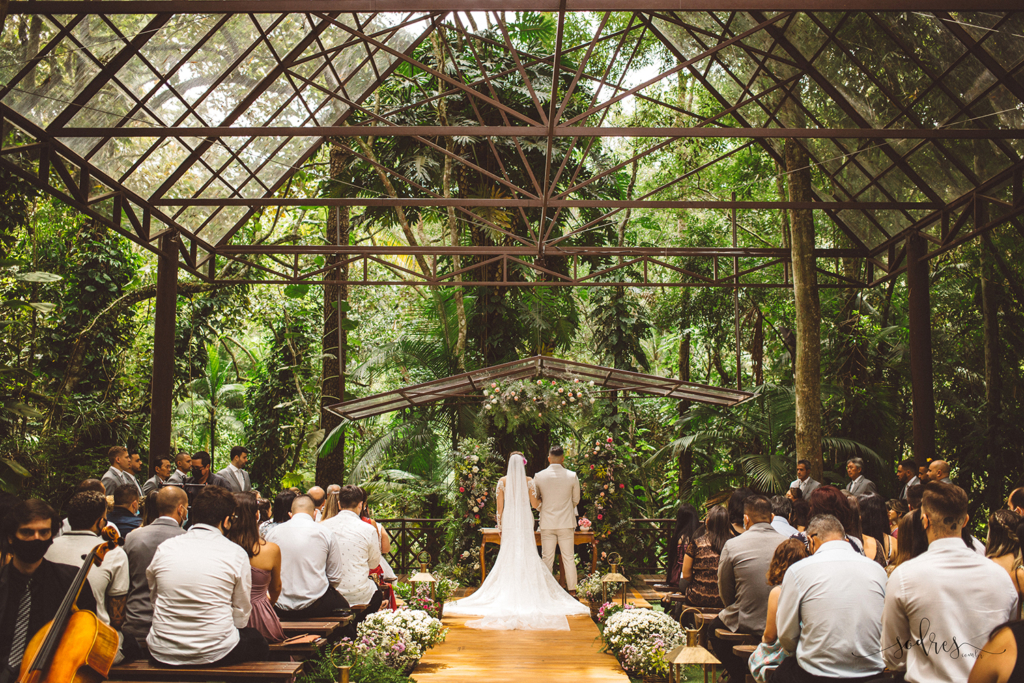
(476, 381)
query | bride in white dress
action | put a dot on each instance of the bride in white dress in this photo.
(520, 592)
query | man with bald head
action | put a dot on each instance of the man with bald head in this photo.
(311, 565)
(938, 471)
(140, 546)
(319, 497)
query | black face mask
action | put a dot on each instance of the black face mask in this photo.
(197, 472)
(30, 552)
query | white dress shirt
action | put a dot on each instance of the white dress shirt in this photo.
(236, 474)
(109, 580)
(360, 552)
(949, 598)
(830, 612)
(782, 525)
(200, 584)
(311, 560)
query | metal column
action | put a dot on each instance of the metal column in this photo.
(163, 349)
(921, 349)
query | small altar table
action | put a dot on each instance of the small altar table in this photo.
(581, 538)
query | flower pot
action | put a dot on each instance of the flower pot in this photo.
(440, 610)
(595, 607)
(654, 679)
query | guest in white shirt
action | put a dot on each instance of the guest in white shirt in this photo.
(830, 610)
(319, 497)
(84, 485)
(803, 479)
(311, 566)
(361, 551)
(200, 584)
(87, 512)
(781, 508)
(941, 606)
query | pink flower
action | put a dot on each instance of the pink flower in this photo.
(462, 489)
(609, 439)
(622, 486)
(591, 467)
(602, 517)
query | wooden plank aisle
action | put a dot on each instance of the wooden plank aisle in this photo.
(506, 656)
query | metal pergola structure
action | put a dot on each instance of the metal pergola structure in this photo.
(475, 381)
(175, 121)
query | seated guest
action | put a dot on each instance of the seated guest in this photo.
(735, 507)
(200, 583)
(171, 506)
(835, 596)
(125, 515)
(281, 511)
(828, 500)
(84, 485)
(782, 507)
(801, 515)
(874, 525)
(1003, 546)
(318, 496)
(362, 551)
(795, 494)
(87, 512)
(790, 551)
(699, 576)
(383, 572)
(997, 660)
(150, 513)
(687, 524)
(311, 565)
(32, 586)
(959, 595)
(163, 469)
(265, 560)
(894, 510)
(914, 494)
(331, 508)
(741, 581)
(913, 541)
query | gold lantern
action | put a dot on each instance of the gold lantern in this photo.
(614, 577)
(423, 576)
(690, 652)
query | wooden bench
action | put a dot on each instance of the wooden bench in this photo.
(295, 651)
(737, 638)
(341, 621)
(268, 672)
(321, 628)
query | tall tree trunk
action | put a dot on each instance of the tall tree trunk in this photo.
(685, 455)
(330, 469)
(807, 369)
(757, 347)
(990, 296)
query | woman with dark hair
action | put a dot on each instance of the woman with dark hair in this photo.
(828, 500)
(265, 562)
(998, 660)
(687, 525)
(699, 575)
(282, 510)
(795, 494)
(1003, 546)
(736, 509)
(800, 516)
(895, 509)
(874, 522)
(913, 540)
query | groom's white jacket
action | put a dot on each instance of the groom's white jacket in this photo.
(559, 493)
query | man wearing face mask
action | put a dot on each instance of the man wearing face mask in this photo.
(125, 515)
(31, 588)
(172, 506)
(201, 474)
(201, 584)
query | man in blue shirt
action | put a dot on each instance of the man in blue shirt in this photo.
(125, 515)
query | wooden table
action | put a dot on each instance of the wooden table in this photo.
(580, 538)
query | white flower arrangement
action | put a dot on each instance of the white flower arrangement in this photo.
(392, 643)
(639, 638)
(421, 629)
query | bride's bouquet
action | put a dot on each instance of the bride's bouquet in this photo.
(639, 639)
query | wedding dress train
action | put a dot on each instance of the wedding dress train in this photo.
(519, 592)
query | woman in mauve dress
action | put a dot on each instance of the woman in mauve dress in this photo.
(265, 561)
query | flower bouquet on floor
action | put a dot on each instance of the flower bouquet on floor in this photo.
(640, 638)
(399, 638)
(590, 590)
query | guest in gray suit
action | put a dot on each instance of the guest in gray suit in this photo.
(141, 545)
(122, 470)
(741, 581)
(163, 469)
(859, 484)
(237, 479)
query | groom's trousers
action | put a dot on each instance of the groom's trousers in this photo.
(563, 539)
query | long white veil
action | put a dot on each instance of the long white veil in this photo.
(519, 592)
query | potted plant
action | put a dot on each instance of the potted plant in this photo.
(639, 639)
(589, 589)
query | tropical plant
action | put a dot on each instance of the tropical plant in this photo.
(216, 397)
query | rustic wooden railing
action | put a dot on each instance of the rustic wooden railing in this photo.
(412, 538)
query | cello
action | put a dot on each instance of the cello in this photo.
(75, 647)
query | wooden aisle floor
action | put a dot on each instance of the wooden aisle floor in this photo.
(506, 656)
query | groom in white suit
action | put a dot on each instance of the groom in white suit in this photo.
(558, 490)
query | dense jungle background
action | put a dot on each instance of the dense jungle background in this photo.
(252, 362)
